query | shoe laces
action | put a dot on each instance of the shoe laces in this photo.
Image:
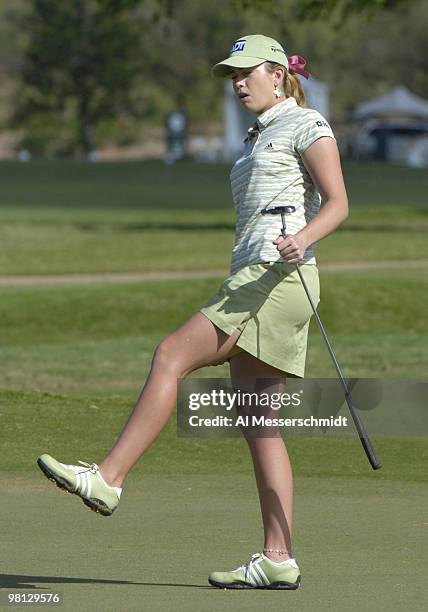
(92, 467)
(246, 567)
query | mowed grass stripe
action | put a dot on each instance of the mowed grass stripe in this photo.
(135, 185)
(61, 217)
(126, 277)
(74, 427)
(29, 249)
(378, 302)
(120, 365)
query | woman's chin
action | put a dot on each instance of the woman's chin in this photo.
(247, 104)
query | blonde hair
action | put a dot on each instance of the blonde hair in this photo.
(291, 84)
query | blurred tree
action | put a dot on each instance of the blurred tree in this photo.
(105, 69)
(186, 38)
(12, 45)
(312, 9)
(380, 43)
(82, 58)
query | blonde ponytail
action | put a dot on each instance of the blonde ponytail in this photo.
(292, 85)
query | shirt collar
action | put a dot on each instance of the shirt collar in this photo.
(271, 113)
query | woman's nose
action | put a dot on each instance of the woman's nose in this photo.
(238, 83)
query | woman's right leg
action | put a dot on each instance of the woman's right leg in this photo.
(195, 344)
(271, 463)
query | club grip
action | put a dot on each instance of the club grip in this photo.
(364, 439)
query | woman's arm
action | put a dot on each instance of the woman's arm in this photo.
(322, 161)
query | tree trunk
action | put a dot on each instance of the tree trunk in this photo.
(86, 128)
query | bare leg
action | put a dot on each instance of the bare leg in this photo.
(195, 344)
(271, 466)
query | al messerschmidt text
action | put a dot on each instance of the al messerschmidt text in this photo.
(254, 420)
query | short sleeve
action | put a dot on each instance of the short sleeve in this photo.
(311, 127)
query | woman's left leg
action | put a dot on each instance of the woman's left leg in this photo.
(270, 459)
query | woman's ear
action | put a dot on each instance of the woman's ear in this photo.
(280, 74)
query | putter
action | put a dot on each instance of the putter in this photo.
(365, 440)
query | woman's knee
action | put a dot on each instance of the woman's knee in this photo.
(167, 356)
(170, 357)
(176, 354)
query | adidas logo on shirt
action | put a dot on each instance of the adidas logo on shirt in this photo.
(269, 147)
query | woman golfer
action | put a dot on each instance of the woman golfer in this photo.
(258, 320)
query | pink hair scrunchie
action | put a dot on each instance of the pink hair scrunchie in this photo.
(296, 64)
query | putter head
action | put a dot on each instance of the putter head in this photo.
(278, 210)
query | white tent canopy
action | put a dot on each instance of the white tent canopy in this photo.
(317, 95)
(397, 102)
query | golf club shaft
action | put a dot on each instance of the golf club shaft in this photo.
(365, 441)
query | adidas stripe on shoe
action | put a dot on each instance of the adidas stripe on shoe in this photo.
(85, 481)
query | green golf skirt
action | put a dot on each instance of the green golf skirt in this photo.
(268, 304)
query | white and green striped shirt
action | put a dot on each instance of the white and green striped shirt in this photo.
(271, 173)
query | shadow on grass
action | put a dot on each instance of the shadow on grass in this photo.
(16, 581)
(141, 227)
(177, 226)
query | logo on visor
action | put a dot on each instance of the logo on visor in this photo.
(238, 45)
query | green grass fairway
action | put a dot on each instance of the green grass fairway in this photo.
(358, 542)
(71, 217)
(74, 357)
(190, 507)
(101, 337)
(135, 185)
(71, 249)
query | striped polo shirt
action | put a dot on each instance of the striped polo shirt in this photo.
(271, 173)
